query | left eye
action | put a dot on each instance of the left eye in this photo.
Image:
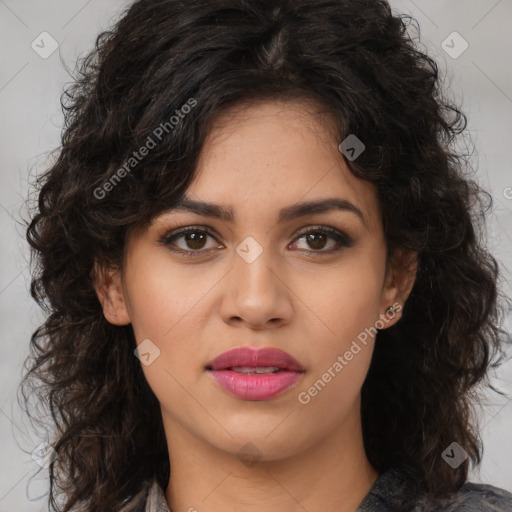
(195, 240)
(318, 236)
(317, 239)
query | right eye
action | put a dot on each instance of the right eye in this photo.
(194, 239)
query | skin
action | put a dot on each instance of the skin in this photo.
(311, 457)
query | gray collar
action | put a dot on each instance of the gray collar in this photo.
(385, 495)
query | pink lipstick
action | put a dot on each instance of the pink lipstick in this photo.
(255, 374)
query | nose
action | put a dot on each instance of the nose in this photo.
(256, 293)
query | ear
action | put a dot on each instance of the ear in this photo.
(109, 289)
(400, 278)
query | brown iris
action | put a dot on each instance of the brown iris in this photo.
(316, 240)
(195, 240)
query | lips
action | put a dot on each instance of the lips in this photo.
(255, 358)
(255, 374)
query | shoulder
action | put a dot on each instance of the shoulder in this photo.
(389, 493)
(473, 497)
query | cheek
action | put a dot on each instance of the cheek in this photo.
(344, 345)
(166, 306)
(346, 299)
(162, 298)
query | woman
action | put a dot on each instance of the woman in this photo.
(260, 257)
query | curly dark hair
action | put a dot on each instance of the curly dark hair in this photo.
(362, 63)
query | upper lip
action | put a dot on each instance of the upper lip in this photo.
(255, 357)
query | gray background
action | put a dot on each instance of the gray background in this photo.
(30, 87)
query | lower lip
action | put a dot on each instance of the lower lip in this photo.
(263, 386)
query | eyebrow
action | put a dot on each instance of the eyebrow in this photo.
(285, 214)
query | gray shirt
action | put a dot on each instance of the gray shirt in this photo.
(384, 496)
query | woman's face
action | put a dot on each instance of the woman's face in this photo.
(257, 280)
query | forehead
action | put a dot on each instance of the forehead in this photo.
(265, 156)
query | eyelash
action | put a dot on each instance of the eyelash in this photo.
(343, 240)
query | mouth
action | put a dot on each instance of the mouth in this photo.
(250, 360)
(255, 374)
(259, 370)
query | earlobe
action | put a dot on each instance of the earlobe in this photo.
(109, 289)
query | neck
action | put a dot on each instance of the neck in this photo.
(333, 475)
